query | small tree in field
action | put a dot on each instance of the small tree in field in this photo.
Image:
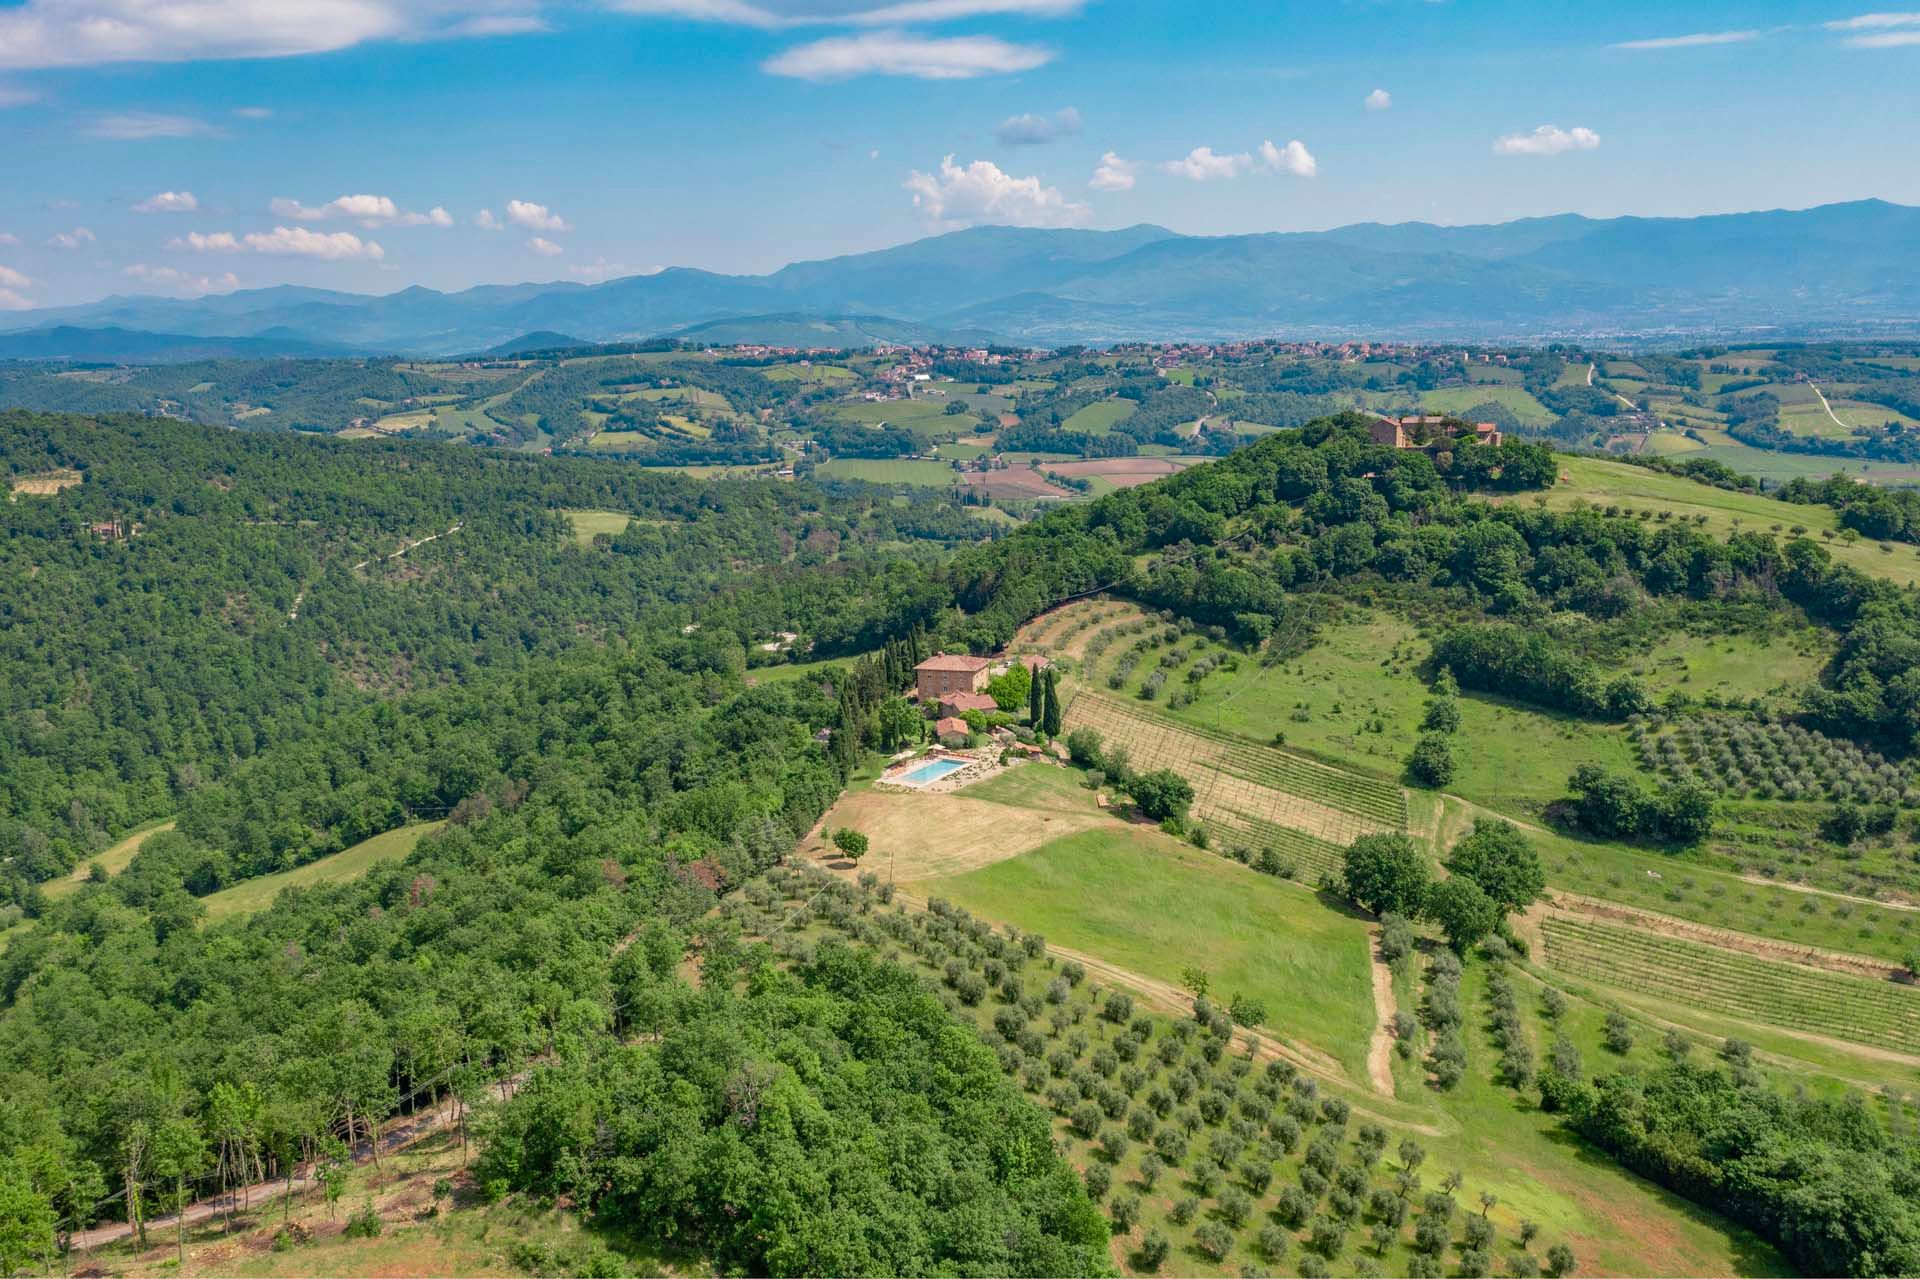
(851, 843)
(1385, 873)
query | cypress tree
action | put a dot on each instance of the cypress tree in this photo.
(1053, 705)
(1035, 712)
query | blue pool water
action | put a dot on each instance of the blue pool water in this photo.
(933, 772)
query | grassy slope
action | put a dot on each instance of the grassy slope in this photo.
(1458, 399)
(256, 894)
(1602, 483)
(890, 471)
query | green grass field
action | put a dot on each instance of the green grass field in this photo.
(1100, 417)
(1356, 699)
(889, 471)
(251, 895)
(588, 524)
(1738, 665)
(1158, 906)
(1458, 399)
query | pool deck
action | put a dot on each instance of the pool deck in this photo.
(975, 765)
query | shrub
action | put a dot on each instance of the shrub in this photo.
(1153, 1250)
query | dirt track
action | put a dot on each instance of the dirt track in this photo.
(1380, 1048)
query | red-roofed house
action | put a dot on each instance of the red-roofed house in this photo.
(961, 703)
(945, 673)
(952, 731)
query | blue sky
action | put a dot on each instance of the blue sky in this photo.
(190, 146)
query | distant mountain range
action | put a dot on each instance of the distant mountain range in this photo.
(1837, 270)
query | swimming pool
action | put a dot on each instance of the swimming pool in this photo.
(932, 771)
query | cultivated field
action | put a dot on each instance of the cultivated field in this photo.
(1246, 790)
(1882, 1014)
(1099, 418)
(889, 471)
(1013, 482)
(1123, 472)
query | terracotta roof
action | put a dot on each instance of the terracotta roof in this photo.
(958, 702)
(1034, 662)
(951, 724)
(953, 662)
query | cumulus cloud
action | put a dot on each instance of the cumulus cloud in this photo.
(9, 238)
(284, 241)
(600, 270)
(899, 53)
(1202, 165)
(74, 33)
(1292, 158)
(535, 217)
(78, 238)
(544, 247)
(1036, 130)
(1113, 174)
(11, 301)
(1698, 39)
(1379, 100)
(1546, 140)
(12, 279)
(487, 222)
(182, 283)
(774, 14)
(1879, 30)
(168, 202)
(135, 126)
(367, 210)
(981, 192)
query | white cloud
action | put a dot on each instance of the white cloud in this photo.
(284, 241)
(9, 238)
(535, 217)
(1113, 173)
(981, 192)
(1379, 100)
(1292, 158)
(774, 14)
(367, 210)
(1879, 30)
(12, 95)
(78, 238)
(487, 222)
(600, 270)
(168, 202)
(544, 247)
(1202, 165)
(75, 33)
(499, 24)
(134, 126)
(901, 54)
(1546, 140)
(12, 279)
(254, 113)
(1697, 40)
(1035, 130)
(11, 301)
(182, 283)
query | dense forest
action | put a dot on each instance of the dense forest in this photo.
(204, 597)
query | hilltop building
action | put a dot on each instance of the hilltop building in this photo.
(1431, 432)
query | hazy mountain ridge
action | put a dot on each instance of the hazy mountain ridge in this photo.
(1826, 269)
